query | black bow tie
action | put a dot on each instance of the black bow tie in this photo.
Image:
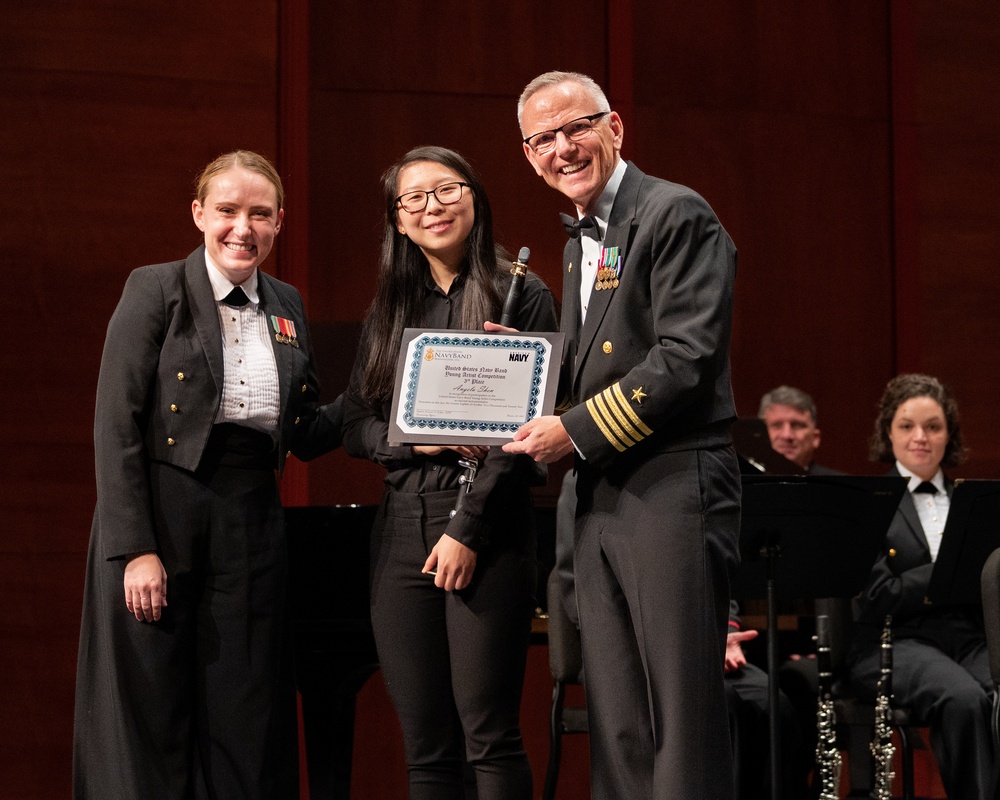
(237, 297)
(926, 487)
(587, 226)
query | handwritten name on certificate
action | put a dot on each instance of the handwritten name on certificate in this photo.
(455, 387)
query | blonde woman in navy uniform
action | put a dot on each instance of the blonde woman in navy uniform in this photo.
(207, 382)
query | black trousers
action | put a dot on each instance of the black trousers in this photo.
(454, 662)
(200, 704)
(940, 670)
(656, 548)
(748, 700)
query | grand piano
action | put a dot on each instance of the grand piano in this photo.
(331, 625)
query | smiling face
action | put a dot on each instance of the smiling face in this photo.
(919, 435)
(578, 169)
(240, 218)
(438, 230)
(792, 432)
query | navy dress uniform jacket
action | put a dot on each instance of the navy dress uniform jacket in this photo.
(646, 378)
(161, 385)
(940, 661)
(649, 370)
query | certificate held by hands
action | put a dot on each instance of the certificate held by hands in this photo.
(460, 387)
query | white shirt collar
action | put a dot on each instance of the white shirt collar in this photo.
(221, 285)
(602, 208)
(914, 481)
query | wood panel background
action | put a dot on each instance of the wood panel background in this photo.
(848, 147)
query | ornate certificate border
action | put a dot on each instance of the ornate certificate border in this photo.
(478, 423)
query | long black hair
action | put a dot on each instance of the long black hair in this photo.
(403, 268)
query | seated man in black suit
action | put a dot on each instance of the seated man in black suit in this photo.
(747, 696)
(790, 417)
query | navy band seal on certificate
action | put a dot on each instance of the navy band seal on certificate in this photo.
(466, 387)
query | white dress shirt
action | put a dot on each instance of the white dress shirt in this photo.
(601, 213)
(931, 508)
(250, 391)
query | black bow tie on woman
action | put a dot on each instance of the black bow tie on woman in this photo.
(926, 487)
(587, 226)
(237, 297)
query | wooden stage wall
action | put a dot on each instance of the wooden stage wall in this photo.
(848, 147)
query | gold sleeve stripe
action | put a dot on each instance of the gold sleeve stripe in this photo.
(609, 419)
(622, 415)
(623, 403)
(592, 408)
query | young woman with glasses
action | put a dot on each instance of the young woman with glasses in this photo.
(451, 596)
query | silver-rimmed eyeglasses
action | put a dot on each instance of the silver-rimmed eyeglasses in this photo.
(446, 194)
(574, 130)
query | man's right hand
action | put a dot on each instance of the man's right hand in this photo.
(145, 587)
(542, 438)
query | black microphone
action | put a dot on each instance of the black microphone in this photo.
(518, 269)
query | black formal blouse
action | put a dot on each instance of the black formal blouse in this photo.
(500, 474)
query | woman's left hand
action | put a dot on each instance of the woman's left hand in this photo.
(454, 563)
(465, 451)
(493, 327)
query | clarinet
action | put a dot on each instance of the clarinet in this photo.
(470, 466)
(828, 760)
(518, 269)
(881, 746)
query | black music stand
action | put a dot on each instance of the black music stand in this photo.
(753, 448)
(803, 537)
(971, 533)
